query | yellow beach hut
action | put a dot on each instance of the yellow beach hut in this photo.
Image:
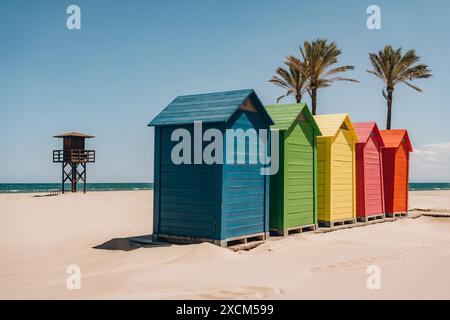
(336, 200)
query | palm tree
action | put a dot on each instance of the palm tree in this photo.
(292, 79)
(392, 67)
(319, 56)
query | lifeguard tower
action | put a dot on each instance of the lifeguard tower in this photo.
(73, 158)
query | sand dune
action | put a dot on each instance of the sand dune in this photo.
(41, 237)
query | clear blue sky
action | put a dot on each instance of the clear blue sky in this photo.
(131, 58)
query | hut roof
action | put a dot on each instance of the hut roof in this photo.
(285, 114)
(73, 134)
(330, 124)
(393, 138)
(208, 108)
(365, 129)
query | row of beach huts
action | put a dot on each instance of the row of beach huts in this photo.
(331, 172)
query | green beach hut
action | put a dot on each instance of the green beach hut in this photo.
(293, 200)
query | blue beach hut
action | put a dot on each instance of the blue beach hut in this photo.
(221, 199)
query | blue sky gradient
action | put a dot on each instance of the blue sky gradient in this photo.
(131, 58)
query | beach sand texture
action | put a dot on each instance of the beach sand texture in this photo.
(41, 237)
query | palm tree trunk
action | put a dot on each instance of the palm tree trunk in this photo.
(314, 101)
(389, 108)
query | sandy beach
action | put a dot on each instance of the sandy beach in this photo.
(41, 236)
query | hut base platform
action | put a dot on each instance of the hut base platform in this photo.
(242, 239)
(397, 214)
(371, 217)
(225, 243)
(293, 230)
(331, 224)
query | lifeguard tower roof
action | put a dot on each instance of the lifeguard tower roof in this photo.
(74, 135)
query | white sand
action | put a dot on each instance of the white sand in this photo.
(439, 200)
(40, 237)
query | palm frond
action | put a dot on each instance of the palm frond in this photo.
(409, 84)
(343, 79)
(293, 78)
(338, 70)
(283, 96)
(392, 67)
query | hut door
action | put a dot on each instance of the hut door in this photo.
(401, 180)
(299, 175)
(243, 185)
(372, 177)
(342, 176)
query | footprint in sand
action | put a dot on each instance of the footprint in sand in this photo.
(237, 293)
(363, 261)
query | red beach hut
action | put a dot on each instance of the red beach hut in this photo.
(369, 172)
(395, 152)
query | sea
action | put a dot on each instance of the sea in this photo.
(429, 186)
(47, 187)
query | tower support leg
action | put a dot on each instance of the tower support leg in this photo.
(70, 172)
(74, 177)
(63, 180)
(84, 177)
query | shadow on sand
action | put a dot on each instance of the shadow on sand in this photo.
(131, 243)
